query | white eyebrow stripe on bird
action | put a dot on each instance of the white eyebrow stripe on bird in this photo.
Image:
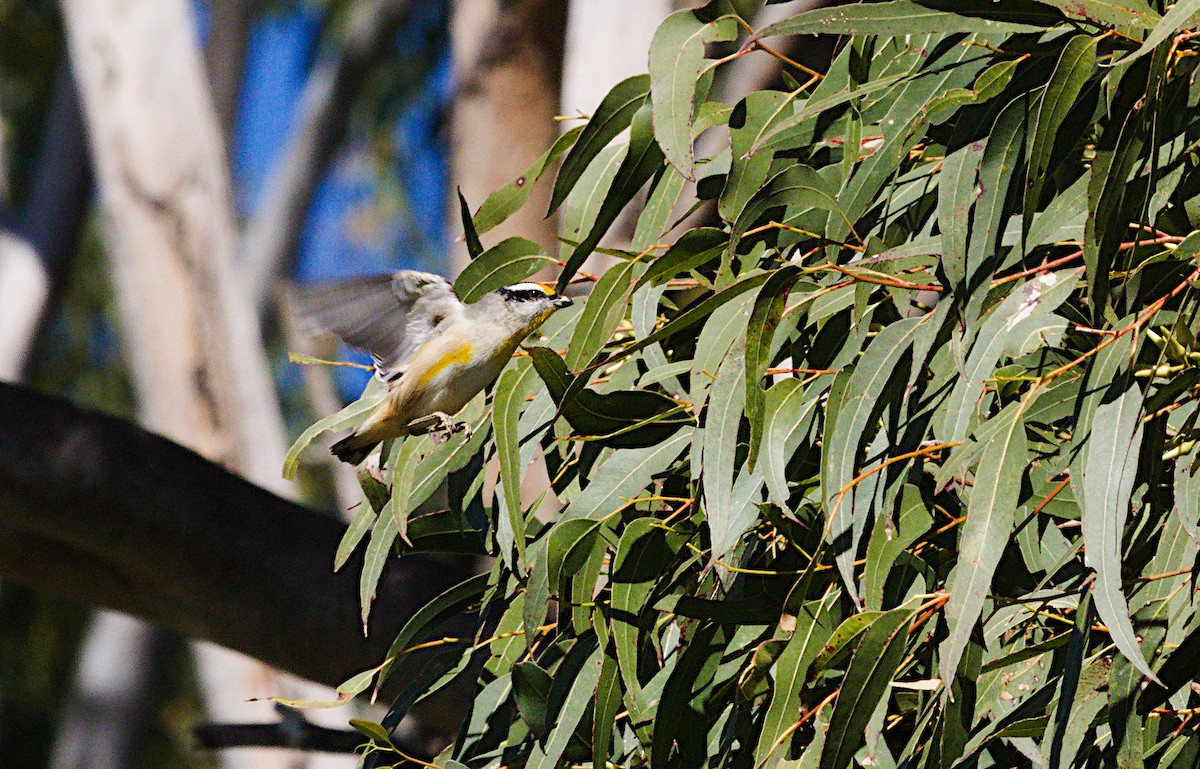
(530, 287)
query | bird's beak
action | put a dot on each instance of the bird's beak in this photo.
(561, 302)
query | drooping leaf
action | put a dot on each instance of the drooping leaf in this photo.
(1104, 486)
(990, 517)
(676, 61)
(612, 116)
(865, 683)
(1074, 67)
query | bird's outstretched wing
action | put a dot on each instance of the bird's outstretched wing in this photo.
(389, 316)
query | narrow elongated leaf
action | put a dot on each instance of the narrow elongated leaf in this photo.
(1030, 304)
(957, 192)
(990, 517)
(446, 605)
(606, 307)
(676, 60)
(512, 388)
(510, 261)
(1174, 20)
(997, 168)
(505, 201)
(350, 416)
(789, 409)
(623, 474)
(896, 17)
(582, 690)
(1119, 13)
(865, 684)
(814, 624)
(765, 317)
(889, 540)
(642, 160)
(841, 455)
(620, 419)
(747, 172)
(1105, 488)
(611, 117)
(729, 493)
(1074, 67)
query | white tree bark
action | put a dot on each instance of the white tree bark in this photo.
(607, 41)
(24, 292)
(189, 330)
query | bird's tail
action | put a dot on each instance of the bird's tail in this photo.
(353, 449)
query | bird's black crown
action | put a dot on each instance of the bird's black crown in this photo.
(524, 293)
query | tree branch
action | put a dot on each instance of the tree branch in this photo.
(107, 513)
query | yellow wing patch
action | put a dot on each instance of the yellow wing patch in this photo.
(458, 354)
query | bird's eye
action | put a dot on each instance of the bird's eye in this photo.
(436, 320)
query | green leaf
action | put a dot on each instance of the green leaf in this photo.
(790, 408)
(1180, 15)
(958, 186)
(582, 689)
(426, 620)
(620, 419)
(748, 171)
(579, 212)
(797, 188)
(612, 117)
(531, 690)
(642, 160)
(676, 62)
(350, 416)
(505, 201)
(997, 169)
(1115, 13)
(694, 249)
(769, 306)
(990, 517)
(512, 388)
(814, 624)
(633, 577)
(694, 314)
(729, 491)
(896, 17)
(364, 519)
(622, 475)
(865, 684)
(1025, 310)
(608, 705)
(474, 247)
(1072, 72)
(606, 307)
(888, 541)
(841, 455)
(510, 261)
(1104, 489)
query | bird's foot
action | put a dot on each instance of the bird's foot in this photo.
(438, 423)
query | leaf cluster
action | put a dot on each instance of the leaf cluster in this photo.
(889, 463)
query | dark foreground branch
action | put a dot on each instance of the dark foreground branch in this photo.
(104, 512)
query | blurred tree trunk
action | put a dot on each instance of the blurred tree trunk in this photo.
(190, 331)
(508, 59)
(225, 57)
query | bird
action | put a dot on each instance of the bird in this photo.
(433, 352)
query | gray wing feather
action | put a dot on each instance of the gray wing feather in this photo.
(388, 316)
